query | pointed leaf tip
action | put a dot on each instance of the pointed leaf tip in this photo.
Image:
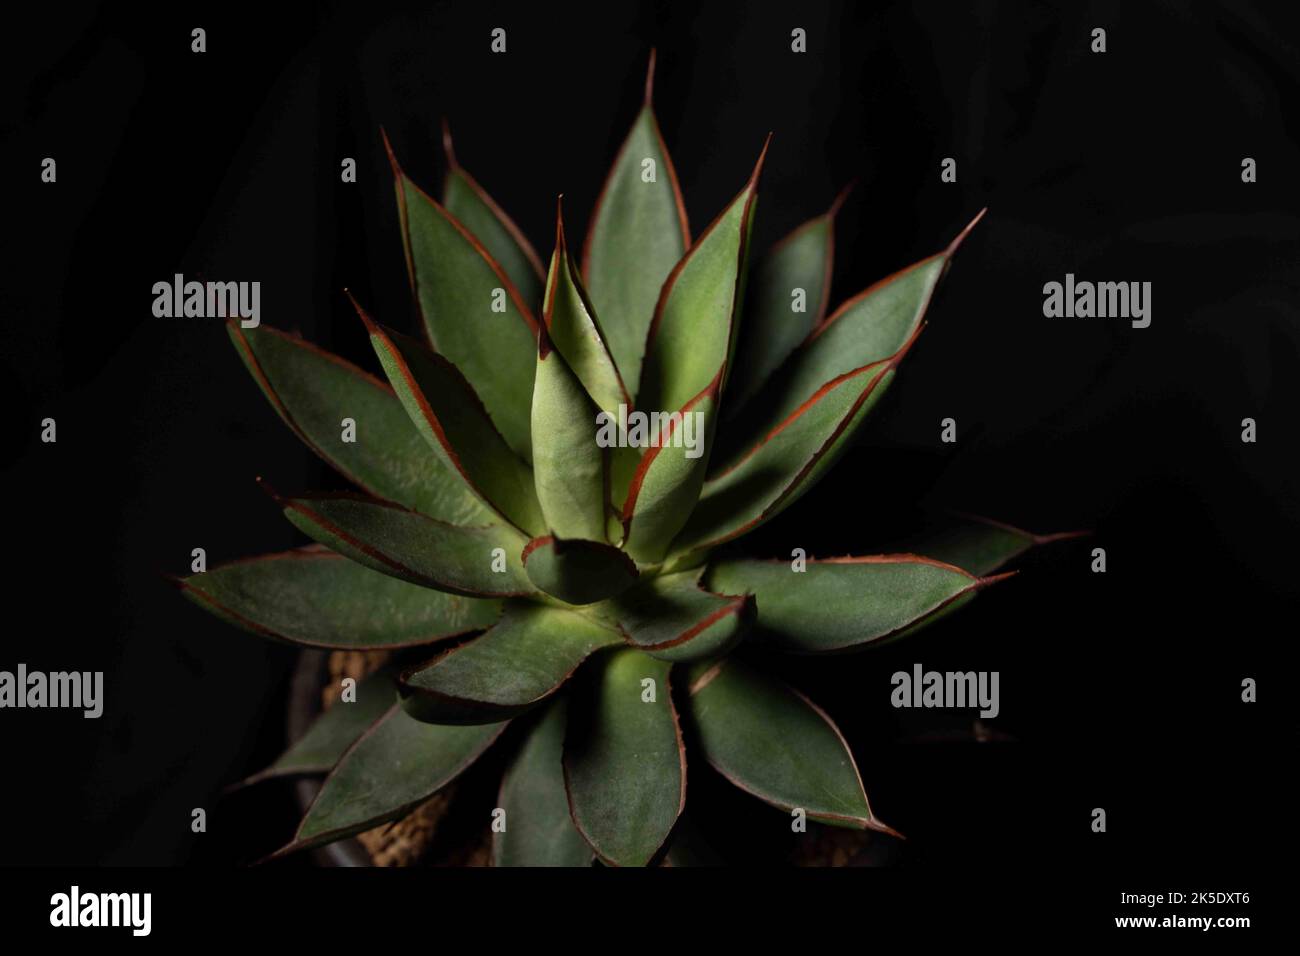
(880, 827)
(758, 166)
(268, 488)
(840, 198)
(365, 316)
(961, 236)
(392, 156)
(1060, 536)
(695, 319)
(650, 78)
(448, 148)
(575, 331)
(987, 580)
(561, 244)
(482, 216)
(980, 545)
(640, 221)
(774, 743)
(453, 273)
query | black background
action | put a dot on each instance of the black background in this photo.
(1121, 690)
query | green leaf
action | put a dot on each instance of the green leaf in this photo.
(409, 546)
(674, 619)
(396, 765)
(449, 415)
(577, 571)
(788, 461)
(844, 604)
(568, 465)
(316, 598)
(638, 233)
(624, 763)
(314, 391)
(774, 743)
(539, 831)
(512, 668)
(469, 203)
(692, 334)
(868, 328)
(459, 287)
(772, 328)
(667, 482)
(571, 321)
(981, 545)
(335, 730)
(688, 352)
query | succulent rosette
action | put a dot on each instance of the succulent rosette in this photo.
(574, 586)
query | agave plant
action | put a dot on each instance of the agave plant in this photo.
(600, 612)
